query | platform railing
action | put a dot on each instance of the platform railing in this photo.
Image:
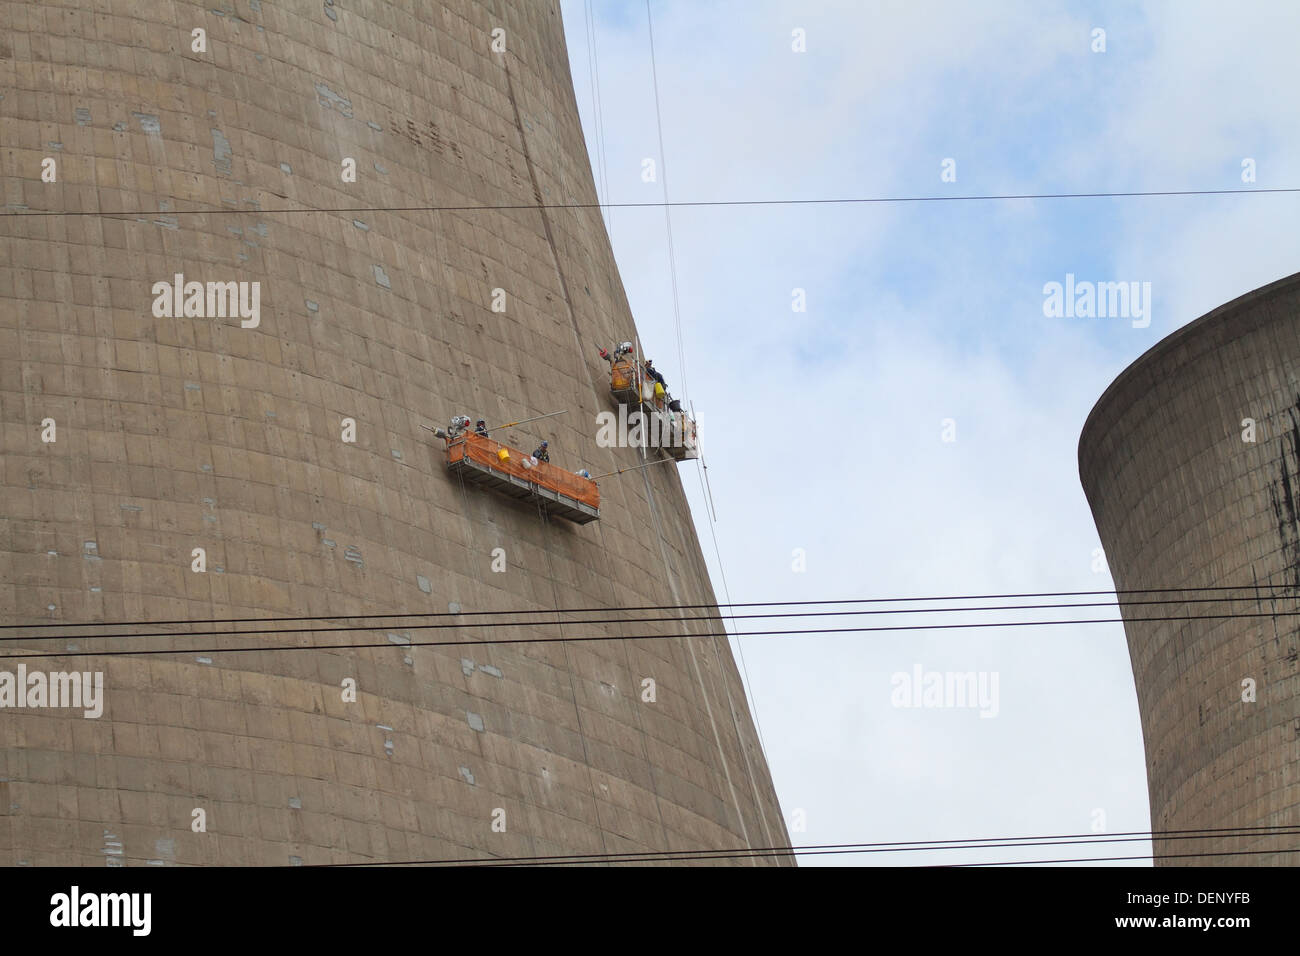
(519, 464)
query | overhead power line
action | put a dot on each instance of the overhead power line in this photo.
(1271, 591)
(672, 618)
(683, 204)
(131, 652)
(899, 846)
(1120, 859)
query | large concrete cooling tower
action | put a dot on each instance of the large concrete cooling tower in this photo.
(1191, 463)
(228, 433)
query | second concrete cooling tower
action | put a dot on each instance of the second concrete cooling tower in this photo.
(408, 186)
(1191, 463)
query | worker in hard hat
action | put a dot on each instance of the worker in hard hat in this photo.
(540, 453)
(480, 428)
(661, 387)
(621, 351)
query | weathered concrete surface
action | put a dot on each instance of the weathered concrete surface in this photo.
(176, 433)
(1182, 501)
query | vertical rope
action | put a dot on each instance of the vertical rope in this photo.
(668, 218)
(573, 321)
(568, 667)
(593, 62)
(471, 551)
(681, 358)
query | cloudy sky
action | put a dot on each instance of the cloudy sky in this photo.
(824, 429)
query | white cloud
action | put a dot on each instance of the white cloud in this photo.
(822, 429)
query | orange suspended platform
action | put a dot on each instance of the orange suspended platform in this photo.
(480, 461)
(674, 432)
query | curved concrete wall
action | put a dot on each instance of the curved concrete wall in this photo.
(177, 433)
(1182, 500)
